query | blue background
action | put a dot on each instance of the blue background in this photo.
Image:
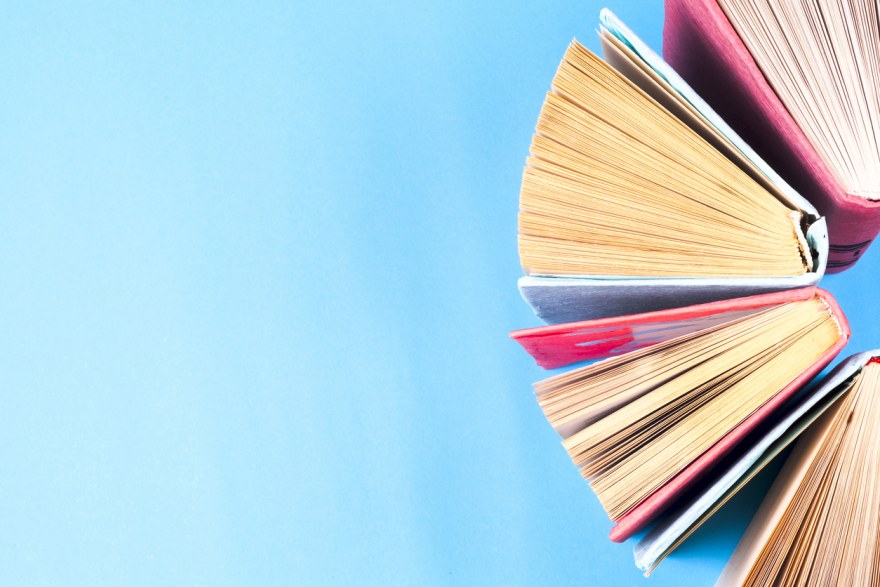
(259, 268)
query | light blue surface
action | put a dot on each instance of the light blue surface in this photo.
(259, 267)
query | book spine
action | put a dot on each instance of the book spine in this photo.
(853, 223)
(836, 312)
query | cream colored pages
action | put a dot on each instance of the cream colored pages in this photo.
(778, 499)
(631, 423)
(624, 60)
(673, 528)
(653, 62)
(618, 186)
(823, 61)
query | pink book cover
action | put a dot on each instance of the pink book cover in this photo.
(702, 46)
(563, 344)
(645, 512)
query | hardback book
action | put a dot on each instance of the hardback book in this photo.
(684, 405)
(820, 521)
(637, 196)
(799, 81)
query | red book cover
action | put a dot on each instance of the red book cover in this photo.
(563, 344)
(645, 512)
(702, 46)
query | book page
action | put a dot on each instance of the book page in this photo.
(778, 498)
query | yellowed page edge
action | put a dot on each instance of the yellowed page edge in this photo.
(628, 63)
(777, 500)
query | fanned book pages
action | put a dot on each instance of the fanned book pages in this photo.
(687, 404)
(800, 81)
(637, 196)
(820, 522)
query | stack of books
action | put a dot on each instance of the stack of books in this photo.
(675, 219)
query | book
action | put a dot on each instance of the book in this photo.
(637, 197)
(818, 524)
(684, 405)
(799, 82)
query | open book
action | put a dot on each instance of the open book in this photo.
(800, 81)
(819, 523)
(638, 197)
(687, 405)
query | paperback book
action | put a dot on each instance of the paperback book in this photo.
(636, 196)
(819, 522)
